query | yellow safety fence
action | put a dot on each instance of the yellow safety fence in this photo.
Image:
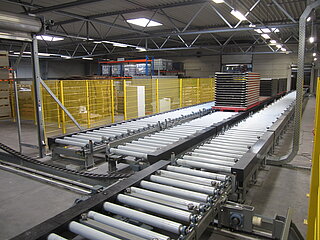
(314, 202)
(99, 102)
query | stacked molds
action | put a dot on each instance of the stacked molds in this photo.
(237, 89)
(272, 86)
(268, 87)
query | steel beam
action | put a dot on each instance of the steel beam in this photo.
(59, 103)
(284, 11)
(62, 6)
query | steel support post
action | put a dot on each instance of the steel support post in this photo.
(180, 92)
(157, 96)
(300, 77)
(125, 99)
(37, 95)
(112, 100)
(17, 114)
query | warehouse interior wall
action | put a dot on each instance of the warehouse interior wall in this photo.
(274, 65)
(200, 66)
(268, 65)
(52, 69)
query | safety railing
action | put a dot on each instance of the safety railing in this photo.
(314, 202)
(99, 102)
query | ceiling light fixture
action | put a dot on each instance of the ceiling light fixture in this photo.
(265, 36)
(314, 54)
(49, 38)
(218, 1)
(141, 49)
(144, 22)
(266, 30)
(66, 57)
(273, 42)
(311, 39)
(238, 15)
(283, 49)
(308, 19)
(315, 59)
(29, 53)
(120, 45)
(87, 58)
(279, 46)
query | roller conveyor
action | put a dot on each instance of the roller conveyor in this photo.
(173, 200)
(99, 135)
(169, 136)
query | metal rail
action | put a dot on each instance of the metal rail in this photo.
(48, 178)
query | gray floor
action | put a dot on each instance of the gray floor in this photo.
(25, 203)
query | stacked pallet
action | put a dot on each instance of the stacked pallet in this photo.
(5, 75)
(237, 89)
(268, 87)
(272, 86)
(282, 85)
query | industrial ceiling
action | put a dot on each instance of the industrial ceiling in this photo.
(100, 28)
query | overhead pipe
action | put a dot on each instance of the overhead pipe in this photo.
(300, 79)
(20, 23)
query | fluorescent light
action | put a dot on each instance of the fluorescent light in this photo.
(119, 45)
(66, 57)
(283, 49)
(266, 36)
(273, 41)
(218, 1)
(141, 49)
(86, 58)
(144, 22)
(279, 46)
(44, 54)
(258, 30)
(311, 39)
(308, 19)
(238, 15)
(315, 59)
(275, 30)
(49, 38)
(266, 30)
(97, 42)
(314, 54)
(40, 54)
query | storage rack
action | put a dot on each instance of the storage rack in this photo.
(149, 69)
(5, 78)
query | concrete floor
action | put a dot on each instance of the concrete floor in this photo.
(25, 203)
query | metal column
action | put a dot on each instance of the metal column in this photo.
(37, 95)
(301, 53)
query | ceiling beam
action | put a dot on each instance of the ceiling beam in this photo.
(62, 6)
(77, 17)
(138, 9)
